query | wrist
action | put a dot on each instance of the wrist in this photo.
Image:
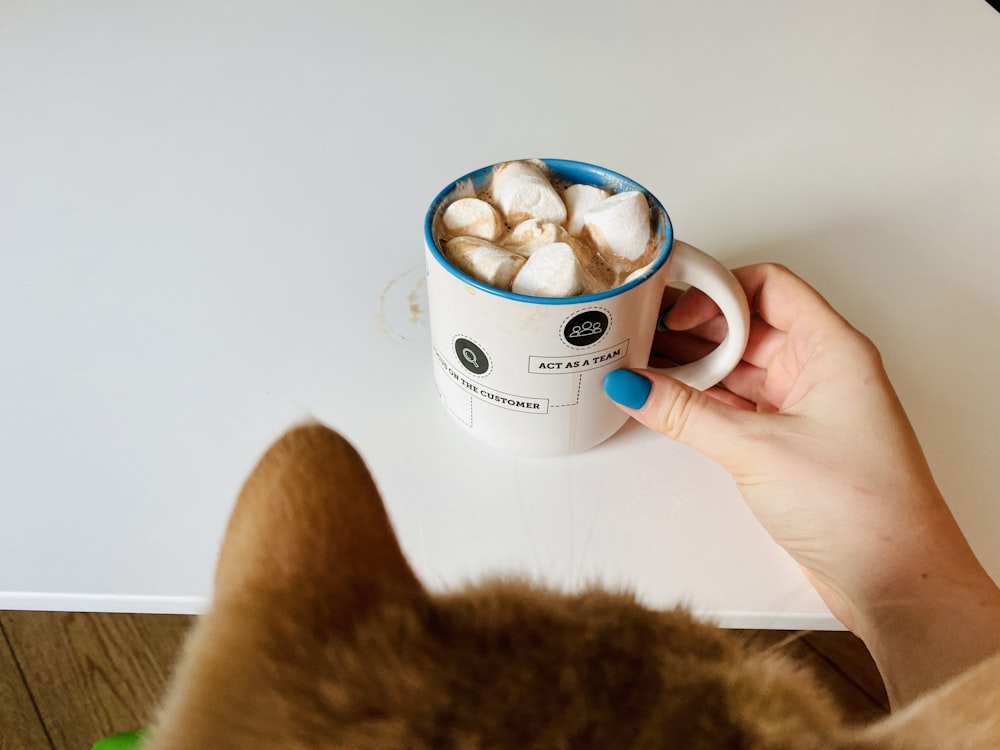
(931, 627)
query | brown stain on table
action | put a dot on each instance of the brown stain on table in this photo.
(403, 304)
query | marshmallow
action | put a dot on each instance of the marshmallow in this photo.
(551, 271)
(484, 261)
(522, 191)
(471, 217)
(529, 235)
(620, 224)
(579, 199)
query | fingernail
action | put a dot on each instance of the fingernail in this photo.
(661, 322)
(627, 388)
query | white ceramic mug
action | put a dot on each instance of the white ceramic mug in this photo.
(525, 374)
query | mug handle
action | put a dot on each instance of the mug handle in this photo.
(690, 265)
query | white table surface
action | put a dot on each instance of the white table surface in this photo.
(210, 228)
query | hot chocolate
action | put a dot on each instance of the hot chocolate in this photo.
(530, 234)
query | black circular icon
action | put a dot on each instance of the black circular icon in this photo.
(471, 357)
(586, 328)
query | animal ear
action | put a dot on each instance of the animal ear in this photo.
(309, 524)
(964, 712)
(308, 553)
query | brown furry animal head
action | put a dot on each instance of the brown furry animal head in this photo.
(320, 636)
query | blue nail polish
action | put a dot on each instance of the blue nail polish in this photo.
(627, 388)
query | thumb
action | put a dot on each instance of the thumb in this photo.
(682, 413)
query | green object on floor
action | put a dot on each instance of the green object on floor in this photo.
(126, 741)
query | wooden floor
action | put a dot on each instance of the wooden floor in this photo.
(68, 679)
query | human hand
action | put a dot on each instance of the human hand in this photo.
(811, 429)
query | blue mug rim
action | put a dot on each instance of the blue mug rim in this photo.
(575, 171)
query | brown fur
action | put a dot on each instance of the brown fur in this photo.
(320, 636)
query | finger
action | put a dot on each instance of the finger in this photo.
(763, 346)
(679, 348)
(744, 387)
(690, 309)
(714, 329)
(729, 398)
(749, 384)
(780, 297)
(670, 296)
(685, 414)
